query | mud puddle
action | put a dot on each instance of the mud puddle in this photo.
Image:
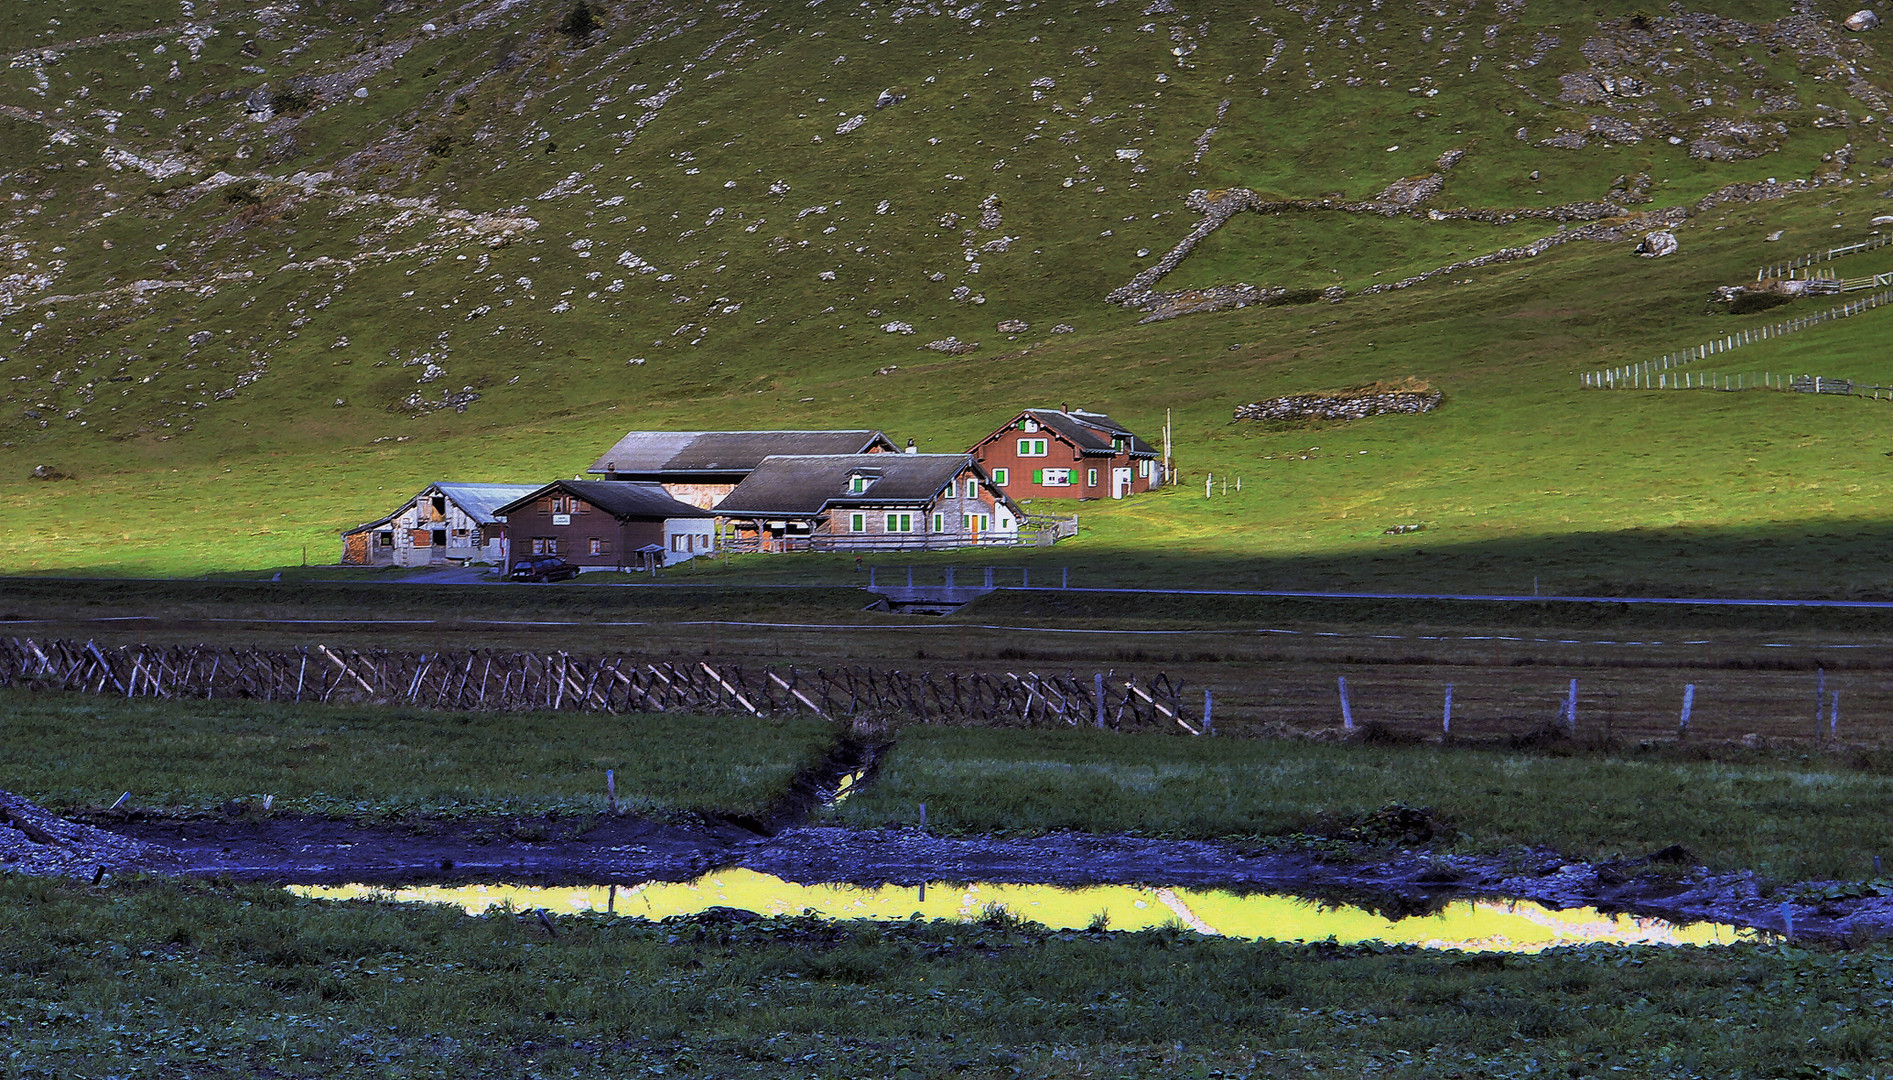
(629, 852)
(1471, 925)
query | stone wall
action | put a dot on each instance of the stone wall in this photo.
(1343, 405)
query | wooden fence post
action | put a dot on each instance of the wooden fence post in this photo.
(1689, 703)
(1347, 712)
(1820, 697)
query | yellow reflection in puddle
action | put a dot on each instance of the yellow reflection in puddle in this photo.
(1477, 925)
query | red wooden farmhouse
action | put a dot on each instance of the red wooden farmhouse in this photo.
(1068, 454)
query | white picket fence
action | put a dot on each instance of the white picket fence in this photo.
(1787, 269)
(1765, 380)
(1648, 374)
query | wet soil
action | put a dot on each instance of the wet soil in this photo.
(628, 850)
(1385, 863)
(294, 849)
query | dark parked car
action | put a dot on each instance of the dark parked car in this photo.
(542, 568)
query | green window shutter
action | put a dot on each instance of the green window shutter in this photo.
(1038, 476)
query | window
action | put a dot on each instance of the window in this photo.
(939, 523)
(1143, 468)
(1028, 424)
(545, 545)
(600, 546)
(978, 523)
(384, 539)
(900, 523)
(1091, 478)
(1052, 477)
(972, 489)
(1033, 448)
(858, 483)
(1000, 476)
(858, 523)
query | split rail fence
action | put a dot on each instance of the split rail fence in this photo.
(484, 680)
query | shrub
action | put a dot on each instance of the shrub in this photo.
(1751, 302)
(290, 99)
(580, 22)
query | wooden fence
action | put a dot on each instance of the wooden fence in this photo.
(1649, 374)
(500, 681)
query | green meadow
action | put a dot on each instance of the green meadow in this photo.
(705, 249)
(266, 271)
(169, 980)
(1785, 816)
(192, 757)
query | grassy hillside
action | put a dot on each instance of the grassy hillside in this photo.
(264, 271)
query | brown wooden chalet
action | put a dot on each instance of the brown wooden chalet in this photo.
(868, 502)
(1068, 454)
(701, 467)
(607, 523)
(444, 522)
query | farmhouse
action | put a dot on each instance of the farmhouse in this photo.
(868, 501)
(1068, 454)
(701, 467)
(606, 524)
(445, 522)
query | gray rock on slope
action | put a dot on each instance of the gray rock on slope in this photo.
(1657, 244)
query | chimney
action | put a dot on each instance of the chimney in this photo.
(911, 448)
(1064, 406)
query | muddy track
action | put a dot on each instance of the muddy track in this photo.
(622, 849)
(628, 849)
(815, 786)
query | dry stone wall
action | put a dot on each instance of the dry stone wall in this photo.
(1345, 405)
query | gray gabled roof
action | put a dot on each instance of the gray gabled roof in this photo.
(696, 453)
(621, 499)
(481, 502)
(806, 486)
(1090, 432)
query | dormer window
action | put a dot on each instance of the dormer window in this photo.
(858, 483)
